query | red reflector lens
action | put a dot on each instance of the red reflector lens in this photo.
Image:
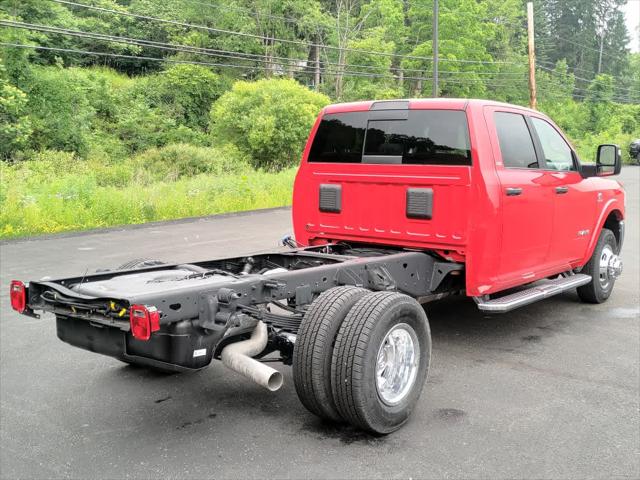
(18, 294)
(144, 321)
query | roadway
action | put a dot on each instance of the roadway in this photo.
(548, 391)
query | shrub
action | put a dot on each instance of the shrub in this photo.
(142, 127)
(60, 113)
(175, 161)
(184, 92)
(15, 126)
(268, 119)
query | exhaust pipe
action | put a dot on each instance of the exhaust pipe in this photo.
(237, 357)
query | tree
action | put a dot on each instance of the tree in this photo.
(599, 101)
(15, 125)
(376, 81)
(186, 92)
(268, 119)
(473, 35)
(591, 35)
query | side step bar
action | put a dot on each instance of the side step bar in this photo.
(543, 289)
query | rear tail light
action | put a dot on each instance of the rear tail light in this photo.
(18, 293)
(144, 321)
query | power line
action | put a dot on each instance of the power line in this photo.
(168, 46)
(626, 89)
(557, 95)
(274, 39)
(587, 47)
(569, 66)
(255, 14)
(588, 71)
(224, 65)
(293, 62)
(551, 64)
(502, 21)
(119, 55)
(243, 57)
(583, 95)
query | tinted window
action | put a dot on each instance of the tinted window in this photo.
(339, 138)
(431, 137)
(557, 153)
(515, 140)
(439, 137)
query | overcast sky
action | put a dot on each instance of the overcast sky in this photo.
(632, 14)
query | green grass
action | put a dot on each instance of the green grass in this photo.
(57, 192)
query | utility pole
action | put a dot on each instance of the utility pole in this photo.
(533, 103)
(316, 75)
(434, 92)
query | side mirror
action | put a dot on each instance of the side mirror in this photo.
(608, 160)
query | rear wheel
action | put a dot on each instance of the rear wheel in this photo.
(380, 361)
(314, 347)
(604, 267)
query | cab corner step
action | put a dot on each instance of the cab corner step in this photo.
(539, 291)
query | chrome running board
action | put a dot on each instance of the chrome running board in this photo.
(539, 291)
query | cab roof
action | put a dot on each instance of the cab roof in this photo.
(416, 104)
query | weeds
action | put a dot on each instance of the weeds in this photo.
(56, 191)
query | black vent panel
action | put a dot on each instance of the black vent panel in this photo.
(330, 198)
(420, 203)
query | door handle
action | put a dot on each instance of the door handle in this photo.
(562, 190)
(513, 191)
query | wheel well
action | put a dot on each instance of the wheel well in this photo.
(613, 223)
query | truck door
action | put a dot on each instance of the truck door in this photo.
(526, 198)
(574, 203)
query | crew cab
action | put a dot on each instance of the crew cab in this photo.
(395, 204)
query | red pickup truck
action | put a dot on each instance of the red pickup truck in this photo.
(396, 203)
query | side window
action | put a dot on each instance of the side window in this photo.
(515, 140)
(557, 153)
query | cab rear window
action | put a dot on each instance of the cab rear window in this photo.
(422, 137)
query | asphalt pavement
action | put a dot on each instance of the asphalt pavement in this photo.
(547, 391)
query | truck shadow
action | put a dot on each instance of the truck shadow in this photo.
(457, 320)
(212, 400)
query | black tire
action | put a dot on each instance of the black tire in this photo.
(140, 263)
(314, 347)
(595, 291)
(355, 356)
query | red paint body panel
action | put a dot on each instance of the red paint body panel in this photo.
(504, 241)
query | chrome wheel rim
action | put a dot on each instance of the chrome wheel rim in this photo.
(397, 364)
(606, 258)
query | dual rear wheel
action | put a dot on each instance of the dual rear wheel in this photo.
(362, 357)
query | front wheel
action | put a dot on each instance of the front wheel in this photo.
(380, 361)
(604, 266)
